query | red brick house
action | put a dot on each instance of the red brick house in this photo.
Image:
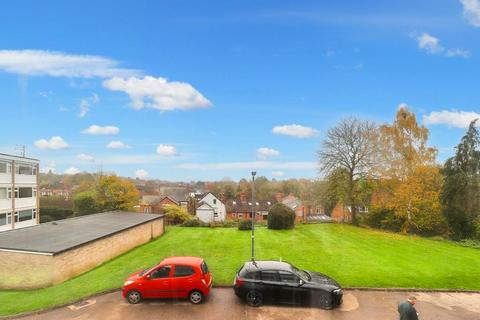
(241, 209)
(155, 204)
(343, 213)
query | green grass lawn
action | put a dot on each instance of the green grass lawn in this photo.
(355, 257)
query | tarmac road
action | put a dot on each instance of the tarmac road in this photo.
(223, 304)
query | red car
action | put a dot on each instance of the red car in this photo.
(175, 277)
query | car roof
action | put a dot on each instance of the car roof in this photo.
(182, 260)
(267, 265)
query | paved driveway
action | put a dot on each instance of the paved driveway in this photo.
(223, 304)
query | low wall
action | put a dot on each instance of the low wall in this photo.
(21, 270)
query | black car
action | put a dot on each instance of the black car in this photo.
(281, 282)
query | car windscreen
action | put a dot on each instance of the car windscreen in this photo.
(141, 273)
(301, 274)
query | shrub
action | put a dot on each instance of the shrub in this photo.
(281, 217)
(84, 203)
(245, 225)
(48, 214)
(383, 218)
(194, 223)
(476, 225)
(224, 224)
(176, 215)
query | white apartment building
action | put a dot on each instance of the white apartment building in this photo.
(19, 198)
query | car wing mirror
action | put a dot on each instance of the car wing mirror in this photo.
(148, 276)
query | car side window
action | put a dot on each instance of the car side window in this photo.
(287, 277)
(183, 271)
(270, 276)
(162, 272)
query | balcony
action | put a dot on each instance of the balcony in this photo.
(25, 179)
(25, 202)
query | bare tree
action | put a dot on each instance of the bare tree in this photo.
(349, 146)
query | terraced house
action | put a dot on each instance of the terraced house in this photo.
(19, 200)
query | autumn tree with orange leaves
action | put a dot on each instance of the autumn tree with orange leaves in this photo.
(409, 181)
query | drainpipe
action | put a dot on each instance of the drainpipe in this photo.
(12, 194)
(38, 193)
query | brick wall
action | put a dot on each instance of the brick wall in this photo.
(24, 270)
(27, 271)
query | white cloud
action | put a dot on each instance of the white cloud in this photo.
(278, 174)
(158, 93)
(471, 11)
(84, 108)
(141, 174)
(166, 150)
(85, 157)
(85, 104)
(55, 143)
(432, 45)
(71, 170)
(458, 119)
(264, 153)
(295, 130)
(249, 165)
(117, 144)
(60, 64)
(98, 130)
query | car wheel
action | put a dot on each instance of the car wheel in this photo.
(254, 298)
(134, 297)
(195, 297)
(325, 301)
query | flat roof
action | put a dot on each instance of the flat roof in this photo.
(13, 157)
(63, 235)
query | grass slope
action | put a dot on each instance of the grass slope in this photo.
(353, 256)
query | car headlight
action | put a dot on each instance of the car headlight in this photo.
(338, 291)
(128, 282)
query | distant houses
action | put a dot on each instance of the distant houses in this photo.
(211, 208)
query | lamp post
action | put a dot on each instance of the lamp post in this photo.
(253, 215)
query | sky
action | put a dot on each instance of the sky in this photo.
(207, 90)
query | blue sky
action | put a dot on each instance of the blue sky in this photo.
(190, 90)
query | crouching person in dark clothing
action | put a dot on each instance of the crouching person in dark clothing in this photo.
(407, 310)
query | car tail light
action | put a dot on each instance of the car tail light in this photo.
(239, 282)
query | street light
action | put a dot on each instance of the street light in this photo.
(253, 215)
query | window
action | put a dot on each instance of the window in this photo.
(3, 167)
(214, 201)
(269, 276)
(288, 277)
(183, 271)
(215, 214)
(3, 219)
(253, 275)
(25, 169)
(204, 267)
(25, 215)
(162, 272)
(25, 192)
(3, 193)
